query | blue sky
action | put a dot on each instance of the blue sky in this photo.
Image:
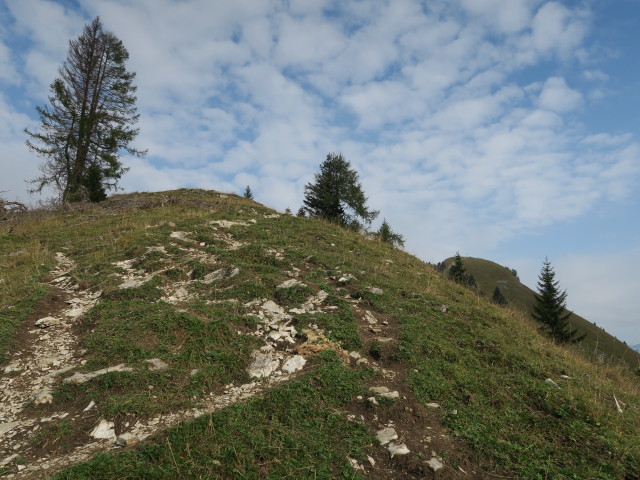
(503, 129)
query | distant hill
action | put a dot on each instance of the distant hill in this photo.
(598, 343)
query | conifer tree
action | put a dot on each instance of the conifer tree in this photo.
(248, 193)
(550, 307)
(498, 297)
(387, 235)
(457, 270)
(337, 195)
(89, 120)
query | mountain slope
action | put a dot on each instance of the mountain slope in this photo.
(218, 339)
(598, 344)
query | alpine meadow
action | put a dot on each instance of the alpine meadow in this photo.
(246, 254)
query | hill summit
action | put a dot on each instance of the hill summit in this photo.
(195, 334)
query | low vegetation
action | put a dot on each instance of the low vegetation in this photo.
(485, 366)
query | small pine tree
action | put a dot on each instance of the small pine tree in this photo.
(498, 297)
(550, 307)
(387, 235)
(337, 195)
(248, 193)
(301, 213)
(457, 270)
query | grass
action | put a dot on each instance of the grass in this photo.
(488, 364)
(293, 431)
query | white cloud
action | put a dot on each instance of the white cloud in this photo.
(558, 29)
(558, 97)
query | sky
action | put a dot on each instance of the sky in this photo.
(502, 129)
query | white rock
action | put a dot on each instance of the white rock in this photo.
(272, 307)
(378, 390)
(8, 460)
(42, 398)
(346, 279)
(400, 449)
(156, 364)
(294, 364)
(433, 405)
(5, 427)
(47, 322)
(85, 377)
(372, 462)
(373, 401)
(291, 283)
(390, 395)
(126, 440)
(104, 430)
(375, 290)
(386, 435)
(262, 365)
(90, 406)
(368, 316)
(551, 383)
(355, 465)
(435, 464)
(214, 276)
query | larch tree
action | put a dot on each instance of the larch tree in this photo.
(89, 121)
(336, 195)
(550, 307)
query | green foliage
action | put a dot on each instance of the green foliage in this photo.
(550, 307)
(385, 234)
(498, 297)
(248, 193)
(457, 270)
(337, 195)
(89, 119)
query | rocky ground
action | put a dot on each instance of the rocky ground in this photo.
(410, 435)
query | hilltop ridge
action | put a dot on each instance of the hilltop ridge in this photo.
(195, 334)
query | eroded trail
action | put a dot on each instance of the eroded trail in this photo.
(49, 349)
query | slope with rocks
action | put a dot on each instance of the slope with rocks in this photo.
(193, 334)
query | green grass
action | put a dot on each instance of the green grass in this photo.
(486, 363)
(296, 431)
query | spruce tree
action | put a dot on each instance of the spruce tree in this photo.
(457, 270)
(89, 120)
(248, 193)
(387, 235)
(498, 297)
(337, 196)
(550, 307)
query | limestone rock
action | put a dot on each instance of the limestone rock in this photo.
(42, 397)
(156, 364)
(386, 435)
(378, 390)
(47, 322)
(262, 365)
(398, 449)
(435, 464)
(551, 383)
(294, 364)
(375, 290)
(214, 276)
(85, 377)
(433, 405)
(291, 283)
(126, 440)
(104, 430)
(5, 427)
(346, 278)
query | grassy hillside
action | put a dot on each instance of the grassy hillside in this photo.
(598, 344)
(187, 292)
